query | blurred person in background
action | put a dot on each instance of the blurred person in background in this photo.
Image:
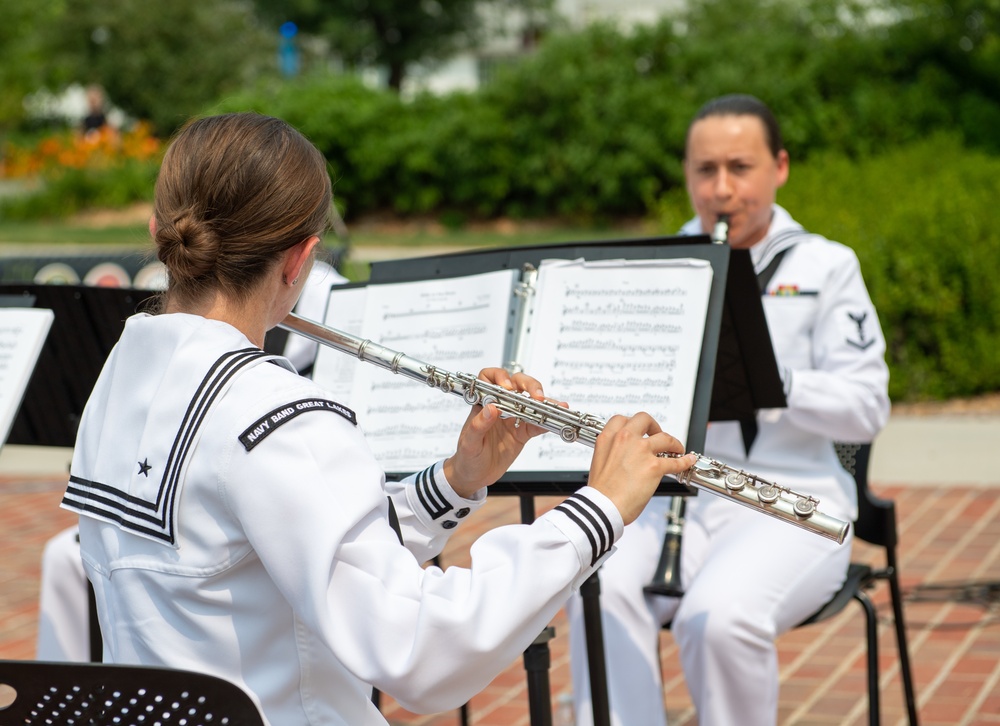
(96, 121)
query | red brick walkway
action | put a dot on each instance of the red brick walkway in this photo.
(950, 564)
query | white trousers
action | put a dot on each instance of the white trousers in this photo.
(64, 615)
(747, 578)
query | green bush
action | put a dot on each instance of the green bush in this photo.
(921, 220)
(573, 131)
(354, 126)
(592, 125)
(73, 190)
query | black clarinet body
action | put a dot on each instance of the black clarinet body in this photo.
(667, 579)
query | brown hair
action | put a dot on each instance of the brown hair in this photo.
(742, 104)
(234, 192)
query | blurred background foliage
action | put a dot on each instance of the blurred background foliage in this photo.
(890, 110)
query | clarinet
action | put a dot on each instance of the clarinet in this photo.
(573, 426)
(667, 577)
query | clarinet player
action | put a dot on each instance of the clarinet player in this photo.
(747, 579)
(232, 519)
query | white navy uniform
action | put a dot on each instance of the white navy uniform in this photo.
(234, 521)
(748, 578)
(63, 612)
(64, 615)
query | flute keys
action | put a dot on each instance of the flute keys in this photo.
(568, 434)
(768, 494)
(804, 507)
(735, 482)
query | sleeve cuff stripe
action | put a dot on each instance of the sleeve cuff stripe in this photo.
(593, 516)
(608, 527)
(601, 533)
(430, 495)
(590, 535)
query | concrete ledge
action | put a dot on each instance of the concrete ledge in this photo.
(938, 450)
(33, 461)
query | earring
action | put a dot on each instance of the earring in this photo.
(295, 281)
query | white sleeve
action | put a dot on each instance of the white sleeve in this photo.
(430, 638)
(844, 395)
(428, 510)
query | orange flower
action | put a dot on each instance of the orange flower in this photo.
(106, 148)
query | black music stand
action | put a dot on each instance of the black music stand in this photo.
(738, 375)
(88, 322)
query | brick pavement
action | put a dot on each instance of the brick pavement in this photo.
(950, 565)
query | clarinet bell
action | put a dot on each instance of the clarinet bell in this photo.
(667, 578)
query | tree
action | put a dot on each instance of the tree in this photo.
(165, 62)
(22, 52)
(392, 33)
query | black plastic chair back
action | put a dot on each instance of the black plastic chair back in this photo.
(93, 694)
(876, 521)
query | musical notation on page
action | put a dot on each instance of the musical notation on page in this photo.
(610, 336)
(459, 324)
(616, 336)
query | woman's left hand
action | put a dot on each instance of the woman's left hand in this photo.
(488, 444)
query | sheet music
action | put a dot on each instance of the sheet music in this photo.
(22, 334)
(333, 369)
(616, 336)
(459, 325)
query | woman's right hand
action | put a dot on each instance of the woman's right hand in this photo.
(625, 466)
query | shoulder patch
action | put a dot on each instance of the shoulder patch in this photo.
(262, 427)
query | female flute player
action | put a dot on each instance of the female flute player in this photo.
(233, 520)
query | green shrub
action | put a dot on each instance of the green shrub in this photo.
(72, 190)
(353, 125)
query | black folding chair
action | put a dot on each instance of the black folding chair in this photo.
(95, 694)
(876, 524)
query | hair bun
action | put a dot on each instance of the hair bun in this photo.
(188, 247)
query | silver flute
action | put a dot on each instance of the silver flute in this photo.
(573, 426)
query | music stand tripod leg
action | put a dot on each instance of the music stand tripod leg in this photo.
(536, 663)
(536, 657)
(590, 593)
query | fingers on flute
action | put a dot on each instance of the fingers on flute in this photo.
(524, 382)
(496, 376)
(677, 464)
(517, 382)
(638, 425)
(642, 425)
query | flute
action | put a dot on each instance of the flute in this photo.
(573, 426)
